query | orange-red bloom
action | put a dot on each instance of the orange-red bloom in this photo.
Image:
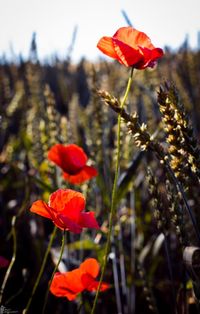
(65, 210)
(72, 160)
(131, 48)
(71, 283)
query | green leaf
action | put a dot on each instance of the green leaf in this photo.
(83, 245)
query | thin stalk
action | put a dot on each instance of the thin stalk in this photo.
(41, 270)
(13, 231)
(13, 234)
(132, 297)
(54, 271)
(122, 270)
(114, 191)
(116, 280)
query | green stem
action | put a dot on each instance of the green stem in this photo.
(114, 191)
(41, 270)
(55, 269)
(13, 234)
(13, 231)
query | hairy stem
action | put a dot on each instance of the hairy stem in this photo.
(55, 269)
(13, 231)
(114, 191)
(41, 270)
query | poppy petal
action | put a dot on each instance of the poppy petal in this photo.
(156, 53)
(71, 283)
(95, 284)
(133, 38)
(73, 280)
(92, 285)
(126, 54)
(58, 285)
(61, 198)
(86, 173)
(132, 48)
(55, 154)
(127, 35)
(67, 285)
(70, 295)
(150, 56)
(87, 220)
(105, 44)
(41, 208)
(76, 156)
(68, 224)
(74, 207)
(57, 220)
(70, 158)
(90, 266)
(141, 39)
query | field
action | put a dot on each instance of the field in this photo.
(154, 229)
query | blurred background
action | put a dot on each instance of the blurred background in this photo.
(167, 23)
(50, 71)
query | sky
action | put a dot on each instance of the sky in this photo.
(166, 22)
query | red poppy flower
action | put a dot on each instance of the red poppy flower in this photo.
(131, 48)
(4, 262)
(72, 160)
(71, 283)
(65, 210)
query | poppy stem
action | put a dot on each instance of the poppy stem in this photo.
(13, 231)
(114, 191)
(54, 271)
(41, 270)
